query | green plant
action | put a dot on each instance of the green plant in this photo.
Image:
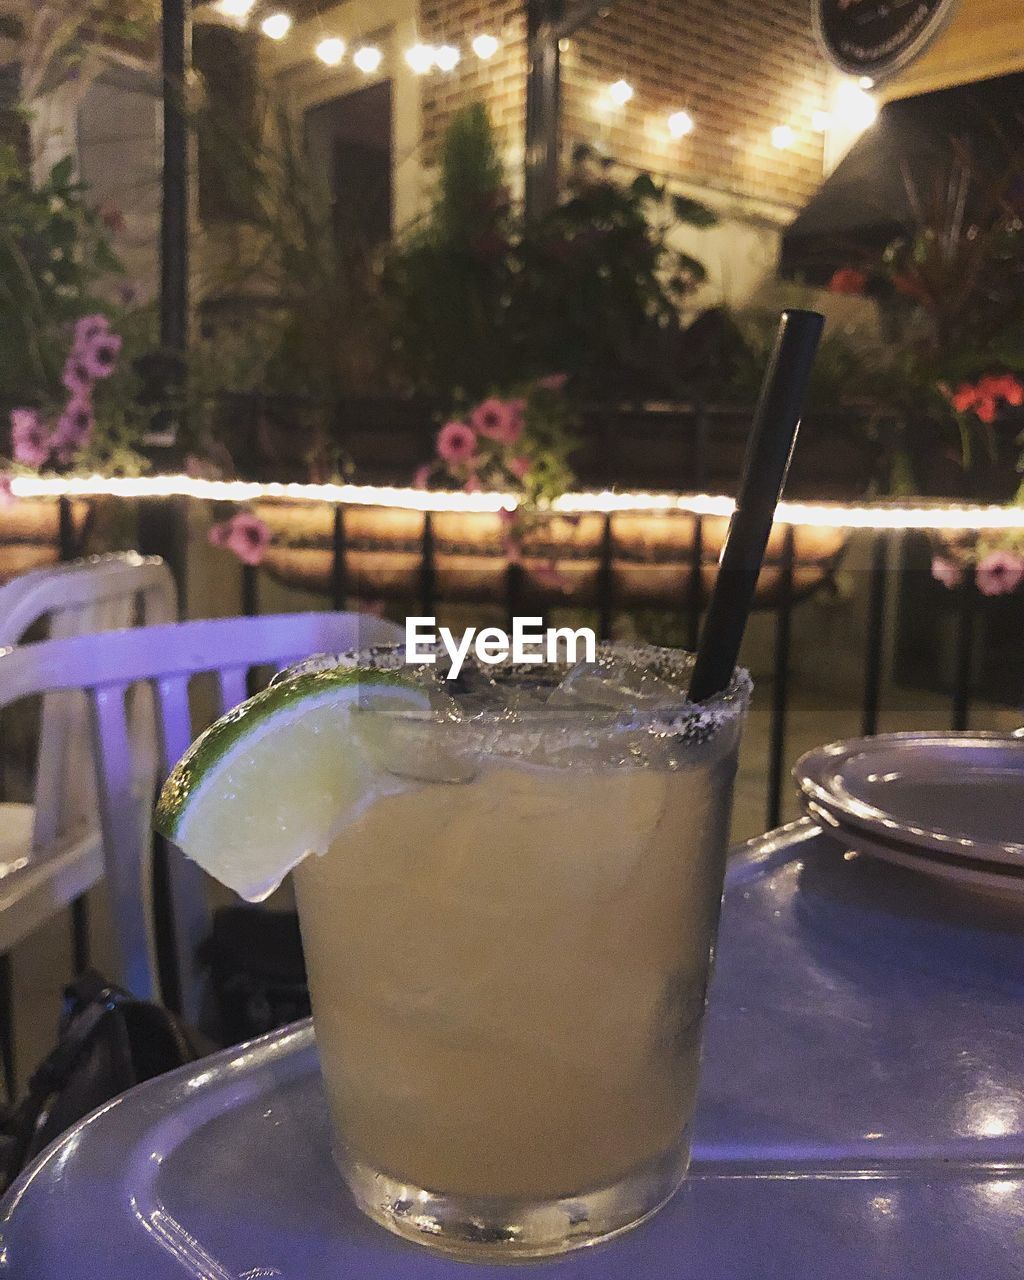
(520, 443)
(54, 251)
(53, 37)
(950, 291)
(311, 292)
(481, 297)
(450, 280)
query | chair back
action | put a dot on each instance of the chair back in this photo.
(107, 667)
(101, 593)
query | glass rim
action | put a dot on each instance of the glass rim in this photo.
(687, 723)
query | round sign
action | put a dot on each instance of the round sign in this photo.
(875, 37)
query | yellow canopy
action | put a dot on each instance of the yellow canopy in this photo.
(983, 38)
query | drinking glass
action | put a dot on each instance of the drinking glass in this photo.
(509, 950)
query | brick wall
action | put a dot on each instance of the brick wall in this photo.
(500, 82)
(739, 67)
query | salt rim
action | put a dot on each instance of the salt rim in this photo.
(688, 724)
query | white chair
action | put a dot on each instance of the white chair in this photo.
(165, 658)
(51, 850)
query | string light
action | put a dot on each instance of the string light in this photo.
(420, 58)
(783, 137)
(485, 47)
(367, 58)
(866, 82)
(235, 8)
(446, 57)
(879, 516)
(620, 92)
(853, 108)
(331, 50)
(680, 123)
(276, 26)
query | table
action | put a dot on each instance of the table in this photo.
(861, 1117)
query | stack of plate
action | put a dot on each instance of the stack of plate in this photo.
(946, 804)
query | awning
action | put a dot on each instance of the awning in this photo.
(866, 201)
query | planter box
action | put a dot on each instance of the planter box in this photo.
(30, 534)
(651, 555)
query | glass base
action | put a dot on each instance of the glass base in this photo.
(496, 1229)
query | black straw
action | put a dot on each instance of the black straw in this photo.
(769, 449)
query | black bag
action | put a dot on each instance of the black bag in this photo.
(108, 1041)
(257, 974)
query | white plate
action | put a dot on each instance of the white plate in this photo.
(959, 794)
(985, 877)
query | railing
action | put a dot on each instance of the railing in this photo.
(884, 548)
(680, 446)
(696, 447)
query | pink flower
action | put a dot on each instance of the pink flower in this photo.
(947, 571)
(30, 440)
(999, 573)
(100, 356)
(76, 376)
(1005, 386)
(200, 469)
(985, 408)
(456, 442)
(501, 420)
(473, 484)
(244, 534)
(1013, 391)
(548, 575)
(910, 288)
(112, 217)
(422, 477)
(553, 381)
(88, 329)
(848, 280)
(7, 496)
(963, 398)
(74, 427)
(519, 465)
(513, 551)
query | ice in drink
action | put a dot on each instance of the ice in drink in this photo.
(508, 954)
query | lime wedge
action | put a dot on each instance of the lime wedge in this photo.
(278, 777)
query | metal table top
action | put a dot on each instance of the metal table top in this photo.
(861, 1116)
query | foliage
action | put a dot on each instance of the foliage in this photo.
(93, 425)
(54, 251)
(53, 37)
(519, 443)
(450, 283)
(951, 295)
(481, 297)
(316, 289)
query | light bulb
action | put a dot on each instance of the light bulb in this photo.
(853, 108)
(276, 26)
(331, 51)
(485, 47)
(367, 58)
(866, 82)
(446, 57)
(821, 121)
(680, 123)
(420, 58)
(235, 8)
(620, 92)
(783, 137)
